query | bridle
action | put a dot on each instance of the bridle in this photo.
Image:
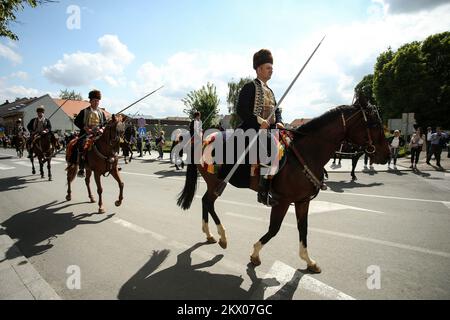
(369, 146)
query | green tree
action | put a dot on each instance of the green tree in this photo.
(415, 78)
(8, 9)
(232, 99)
(70, 95)
(365, 87)
(207, 102)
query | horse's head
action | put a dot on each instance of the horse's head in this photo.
(364, 127)
(113, 131)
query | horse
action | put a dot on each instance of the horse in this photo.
(301, 178)
(348, 150)
(19, 143)
(43, 147)
(101, 158)
(127, 149)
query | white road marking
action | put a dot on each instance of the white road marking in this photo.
(280, 271)
(383, 197)
(285, 274)
(326, 192)
(3, 167)
(315, 206)
(354, 237)
(25, 163)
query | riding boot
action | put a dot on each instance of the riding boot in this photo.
(264, 195)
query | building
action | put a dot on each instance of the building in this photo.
(25, 109)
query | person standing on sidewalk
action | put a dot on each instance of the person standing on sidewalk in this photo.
(418, 140)
(429, 133)
(395, 142)
(438, 142)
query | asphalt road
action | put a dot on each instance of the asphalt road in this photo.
(384, 236)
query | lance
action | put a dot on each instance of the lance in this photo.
(223, 184)
(147, 95)
(57, 109)
(139, 100)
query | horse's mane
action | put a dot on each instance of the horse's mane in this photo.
(319, 122)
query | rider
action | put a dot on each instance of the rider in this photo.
(36, 127)
(256, 102)
(88, 120)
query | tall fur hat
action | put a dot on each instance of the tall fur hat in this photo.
(40, 109)
(261, 57)
(95, 94)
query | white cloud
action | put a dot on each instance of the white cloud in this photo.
(82, 68)
(10, 54)
(22, 75)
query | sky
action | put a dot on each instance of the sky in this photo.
(128, 49)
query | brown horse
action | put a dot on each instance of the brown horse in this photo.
(43, 147)
(19, 143)
(301, 178)
(101, 159)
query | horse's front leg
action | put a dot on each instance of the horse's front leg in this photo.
(49, 170)
(33, 170)
(301, 212)
(41, 166)
(115, 174)
(99, 192)
(276, 218)
(87, 180)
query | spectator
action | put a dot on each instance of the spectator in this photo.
(429, 133)
(160, 144)
(438, 142)
(395, 142)
(418, 140)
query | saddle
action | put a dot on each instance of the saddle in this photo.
(245, 171)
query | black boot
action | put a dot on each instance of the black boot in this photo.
(264, 195)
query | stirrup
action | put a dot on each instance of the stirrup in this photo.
(266, 199)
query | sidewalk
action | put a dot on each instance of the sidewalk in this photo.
(403, 164)
(18, 278)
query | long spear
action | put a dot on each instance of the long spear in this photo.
(223, 184)
(58, 109)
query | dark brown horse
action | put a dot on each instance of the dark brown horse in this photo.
(300, 180)
(101, 158)
(19, 143)
(43, 147)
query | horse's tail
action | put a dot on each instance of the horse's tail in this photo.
(190, 186)
(71, 171)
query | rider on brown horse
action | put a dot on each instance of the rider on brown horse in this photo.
(37, 127)
(256, 102)
(88, 120)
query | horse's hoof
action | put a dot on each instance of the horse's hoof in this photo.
(314, 268)
(118, 203)
(223, 243)
(101, 210)
(68, 198)
(255, 261)
(91, 200)
(42, 177)
(211, 240)
(50, 179)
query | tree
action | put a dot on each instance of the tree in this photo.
(415, 79)
(232, 99)
(8, 9)
(365, 87)
(70, 95)
(207, 102)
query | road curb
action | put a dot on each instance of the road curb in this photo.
(23, 281)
